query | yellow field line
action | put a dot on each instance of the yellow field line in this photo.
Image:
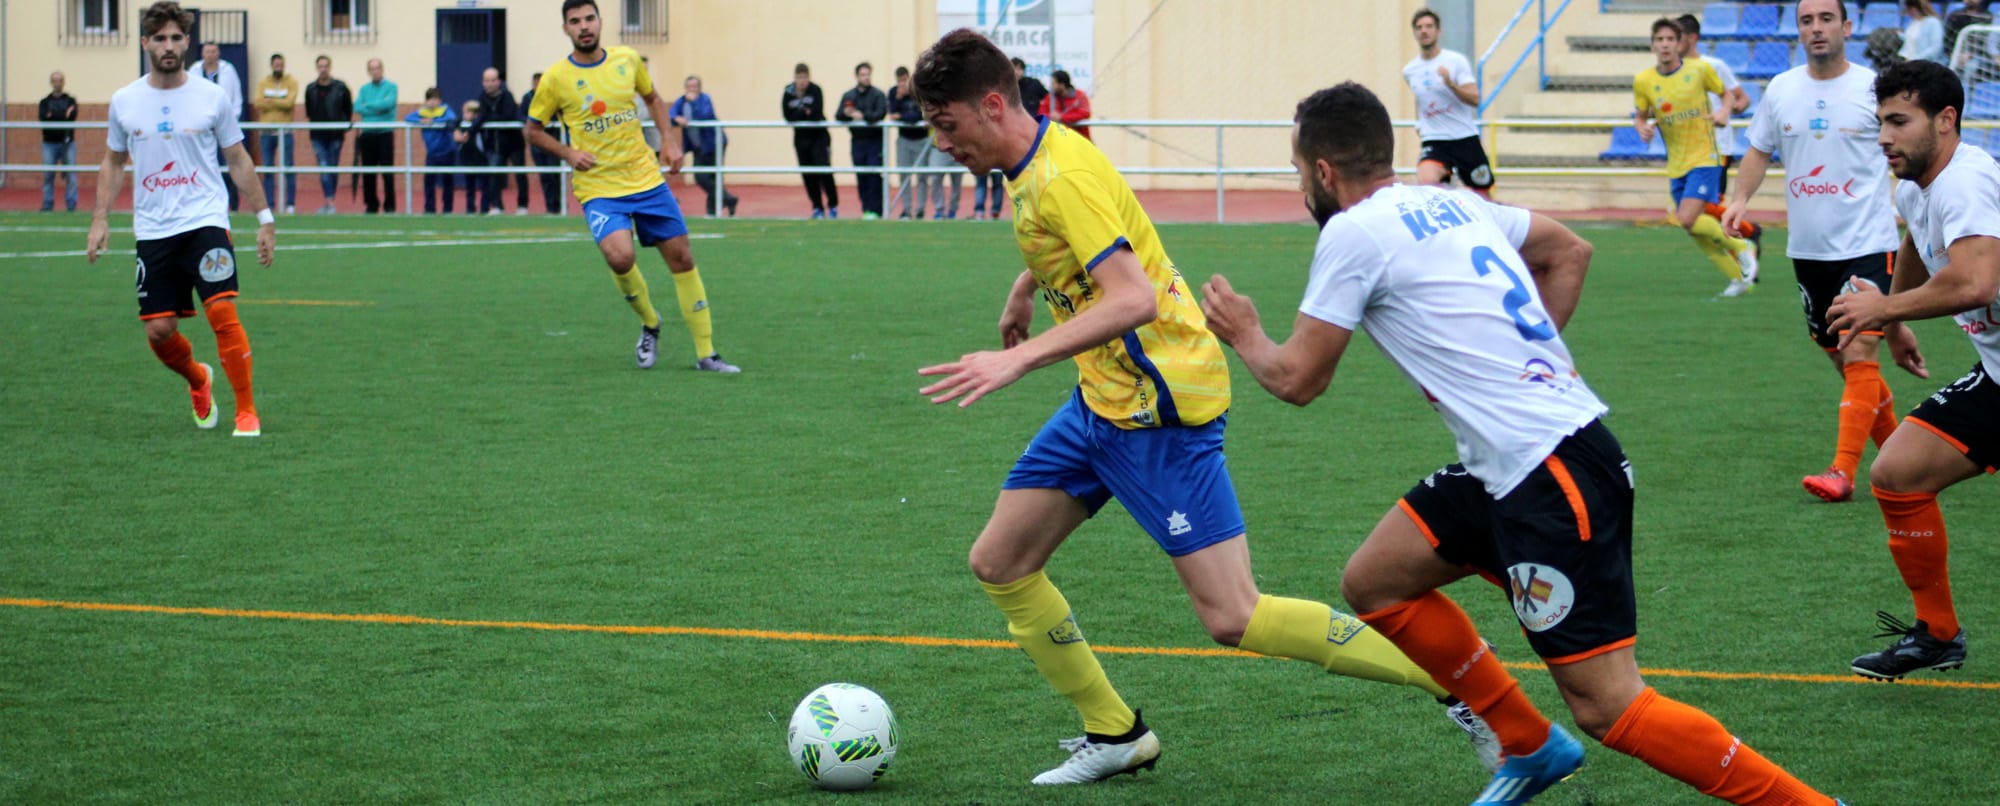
(903, 640)
(335, 303)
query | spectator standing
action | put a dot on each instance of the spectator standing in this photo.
(1923, 37)
(376, 147)
(1066, 103)
(862, 108)
(946, 203)
(706, 143)
(1972, 13)
(58, 144)
(223, 74)
(551, 182)
(804, 103)
(328, 101)
(1032, 91)
(474, 140)
(911, 139)
(509, 148)
(440, 146)
(277, 95)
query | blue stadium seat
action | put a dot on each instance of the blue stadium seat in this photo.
(1626, 145)
(1756, 92)
(1857, 52)
(1768, 59)
(1879, 15)
(1984, 104)
(1758, 21)
(1720, 19)
(1788, 21)
(1734, 54)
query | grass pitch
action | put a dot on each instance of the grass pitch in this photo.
(457, 432)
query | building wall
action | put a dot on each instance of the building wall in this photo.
(1202, 59)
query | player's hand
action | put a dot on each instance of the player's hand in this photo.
(673, 162)
(1230, 314)
(1903, 348)
(1858, 308)
(1445, 73)
(582, 160)
(267, 243)
(1645, 130)
(973, 376)
(99, 239)
(1720, 116)
(1015, 320)
(1733, 215)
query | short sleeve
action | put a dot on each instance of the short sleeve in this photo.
(1347, 266)
(1461, 72)
(1640, 100)
(114, 136)
(1725, 73)
(1512, 221)
(1971, 205)
(1710, 80)
(1077, 208)
(642, 79)
(228, 132)
(547, 104)
(1763, 128)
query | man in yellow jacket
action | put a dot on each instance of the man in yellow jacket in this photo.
(277, 94)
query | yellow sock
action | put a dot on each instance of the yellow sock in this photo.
(694, 309)
(1040, 620)
(633, 285)
(1337, 642)
(1720, 248)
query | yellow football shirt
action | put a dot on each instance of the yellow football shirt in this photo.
(598, 104)
(1072, 210)
(1678, 103)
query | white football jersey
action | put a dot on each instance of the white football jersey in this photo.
(172, 136)
(1436, 278)
(1837, 190)
(1722, 71)
(1440, 114)
(1962, 202)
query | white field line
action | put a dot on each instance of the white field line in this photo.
(313, 247)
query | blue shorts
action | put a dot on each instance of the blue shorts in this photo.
(653, 214)
(1173, 479)
(1701, 183)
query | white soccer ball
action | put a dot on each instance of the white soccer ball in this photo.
(843, 737)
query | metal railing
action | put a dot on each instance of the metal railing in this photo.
(1537, 47)
(1221, 170)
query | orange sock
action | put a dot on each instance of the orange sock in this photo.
(1885, 415)
(1917, 542)
(1743, 228)
(234, 346)
(1688, 744)
(1438, 636)
(178, 355)
(1859, 402)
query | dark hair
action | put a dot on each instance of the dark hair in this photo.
(537, 77)
(1668, 24)
(902, 71)
(963, 66)
(1838, 6)
(323, 58)
(432, 92)
(1061, 77)
(1922, 7)
(573, 4)
(1425, 12)
(801, 69)
(1933, 87)
(863, 66)
(159, 14)
(1016, 61)
(1347, 126)
(274, 57)
(1691, 25)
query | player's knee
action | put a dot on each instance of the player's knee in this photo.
(1226, 627)
(1359, 594)
(620, 261)
(1596, 719)
(160, 330)
(1891, 474)
(994, 567)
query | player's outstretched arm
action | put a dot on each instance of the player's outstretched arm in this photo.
(1128, 303)
(1970, 280)
(1558, 259)
(1019, 312)
(1749, 176)
(1297, 371)
(245, 173)
(110, 177)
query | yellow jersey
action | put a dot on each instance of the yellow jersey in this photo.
(1072, 210)
(1678, 103)
(599, 104)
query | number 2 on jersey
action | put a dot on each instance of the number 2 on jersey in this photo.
(1484, 261)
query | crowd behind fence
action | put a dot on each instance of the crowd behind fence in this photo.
(1220, 168)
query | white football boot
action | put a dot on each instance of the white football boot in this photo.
(1092, 760)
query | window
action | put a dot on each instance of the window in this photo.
(643, 20)
(340, 22)
(91, 22)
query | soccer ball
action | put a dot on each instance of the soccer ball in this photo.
(843, 737)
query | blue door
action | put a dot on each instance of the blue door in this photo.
(468, 42)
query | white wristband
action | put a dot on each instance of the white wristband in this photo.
(264, 217)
